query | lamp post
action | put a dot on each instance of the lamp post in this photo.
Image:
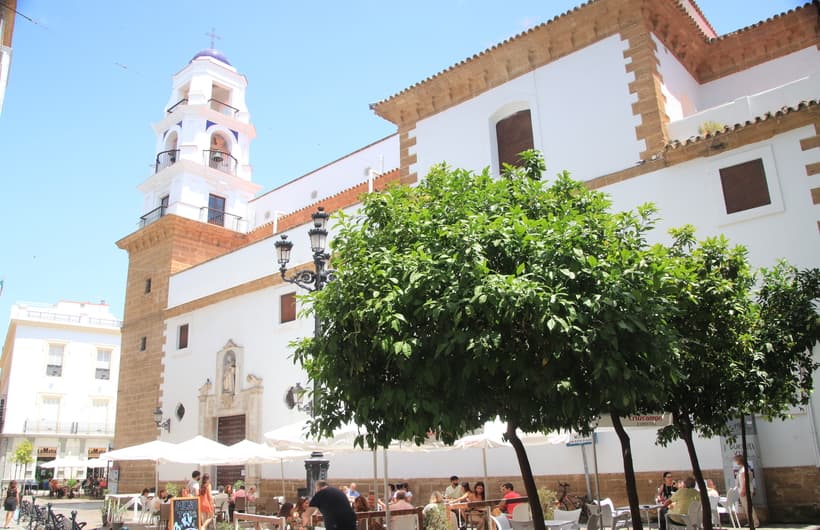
(311, 280)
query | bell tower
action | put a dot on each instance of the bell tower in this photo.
(195, 207)
(202, 169)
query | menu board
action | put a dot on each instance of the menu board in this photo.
(185, 513)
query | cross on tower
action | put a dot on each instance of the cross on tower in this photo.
(213, 36)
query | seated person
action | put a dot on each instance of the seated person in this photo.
(144, 498)
(157, 500)
(711, 490)
(682, 499)
(508, 492)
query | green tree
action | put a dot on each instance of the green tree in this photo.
(24, 455)
(738, 353)
(467, 297)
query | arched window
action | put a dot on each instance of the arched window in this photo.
(513, 135)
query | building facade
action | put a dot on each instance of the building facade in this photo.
(7, 16)
(58, 388)
(640, 99)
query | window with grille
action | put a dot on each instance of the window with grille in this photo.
(54, 368)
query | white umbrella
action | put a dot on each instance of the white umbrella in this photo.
(96, 463)
(203, 451)
(68, 462)
(250, 452)
(154, 451)
(295, 437)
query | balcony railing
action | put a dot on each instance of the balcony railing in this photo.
(223, 108)
(67, 427)
(166, 159)
(221, 161)
(176, 105)
(220, 218)
(153, 215)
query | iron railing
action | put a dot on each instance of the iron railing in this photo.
(153, 215)
(220, 217)
(223, 108)
(220, 160)
(67, 427)
(176, 105)
(166, 159)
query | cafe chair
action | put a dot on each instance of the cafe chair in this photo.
(502, 522)
(241, 505)
(522, 525)
(164, 516)
(568, 515)
(730, 507)
(594, 522)
(404, 522)
(522, 512)
(693, 520)
(610, 518)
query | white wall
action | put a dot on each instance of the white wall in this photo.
(577, 102)
(328, 180)
(760, 78)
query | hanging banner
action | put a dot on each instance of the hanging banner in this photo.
(639, 420)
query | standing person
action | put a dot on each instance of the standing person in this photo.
(745, 498)
(206, 502)
(11, 502)
(665, 492)
(231, 501)
(193, 484)
(334, 507)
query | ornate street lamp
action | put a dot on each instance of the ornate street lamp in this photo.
(316, 466)
(158, 420)
(309, 280)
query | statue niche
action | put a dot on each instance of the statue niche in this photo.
(229, 373)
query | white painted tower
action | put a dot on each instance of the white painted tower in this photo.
(202, 169)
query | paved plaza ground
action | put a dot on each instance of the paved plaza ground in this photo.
(89, 511)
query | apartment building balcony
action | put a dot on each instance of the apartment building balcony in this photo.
(44, 314)
(45, 427)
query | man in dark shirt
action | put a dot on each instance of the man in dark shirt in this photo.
(334, 506)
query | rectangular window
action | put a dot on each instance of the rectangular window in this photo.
(103, 367)
(55, 360)
(143, 343)
(744, 186)
(287, 306)
(216, 210)
(147, 285)
(513, 135)
(182, 337)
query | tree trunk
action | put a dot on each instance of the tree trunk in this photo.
(526, 476)
(746, 476)
(629, 473)
(685, 429)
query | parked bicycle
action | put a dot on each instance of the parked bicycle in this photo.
(569, 502)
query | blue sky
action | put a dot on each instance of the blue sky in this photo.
(89, 77)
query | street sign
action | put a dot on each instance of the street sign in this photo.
(577, 440)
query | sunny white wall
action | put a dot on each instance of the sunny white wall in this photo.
(760, 78)
(568, 104)
(327, 180)
(679, 87)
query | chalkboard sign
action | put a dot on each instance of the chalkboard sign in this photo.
(185, 513)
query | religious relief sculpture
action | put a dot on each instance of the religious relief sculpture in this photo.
(229, 373)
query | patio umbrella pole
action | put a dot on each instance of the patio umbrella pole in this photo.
(282, 469)
(586, 470)
(386, 500)
(595, 462)
(376, 470)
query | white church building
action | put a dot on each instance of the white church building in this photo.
(639, 99)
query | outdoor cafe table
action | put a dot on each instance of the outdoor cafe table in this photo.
(645, 509)
(489, 504)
